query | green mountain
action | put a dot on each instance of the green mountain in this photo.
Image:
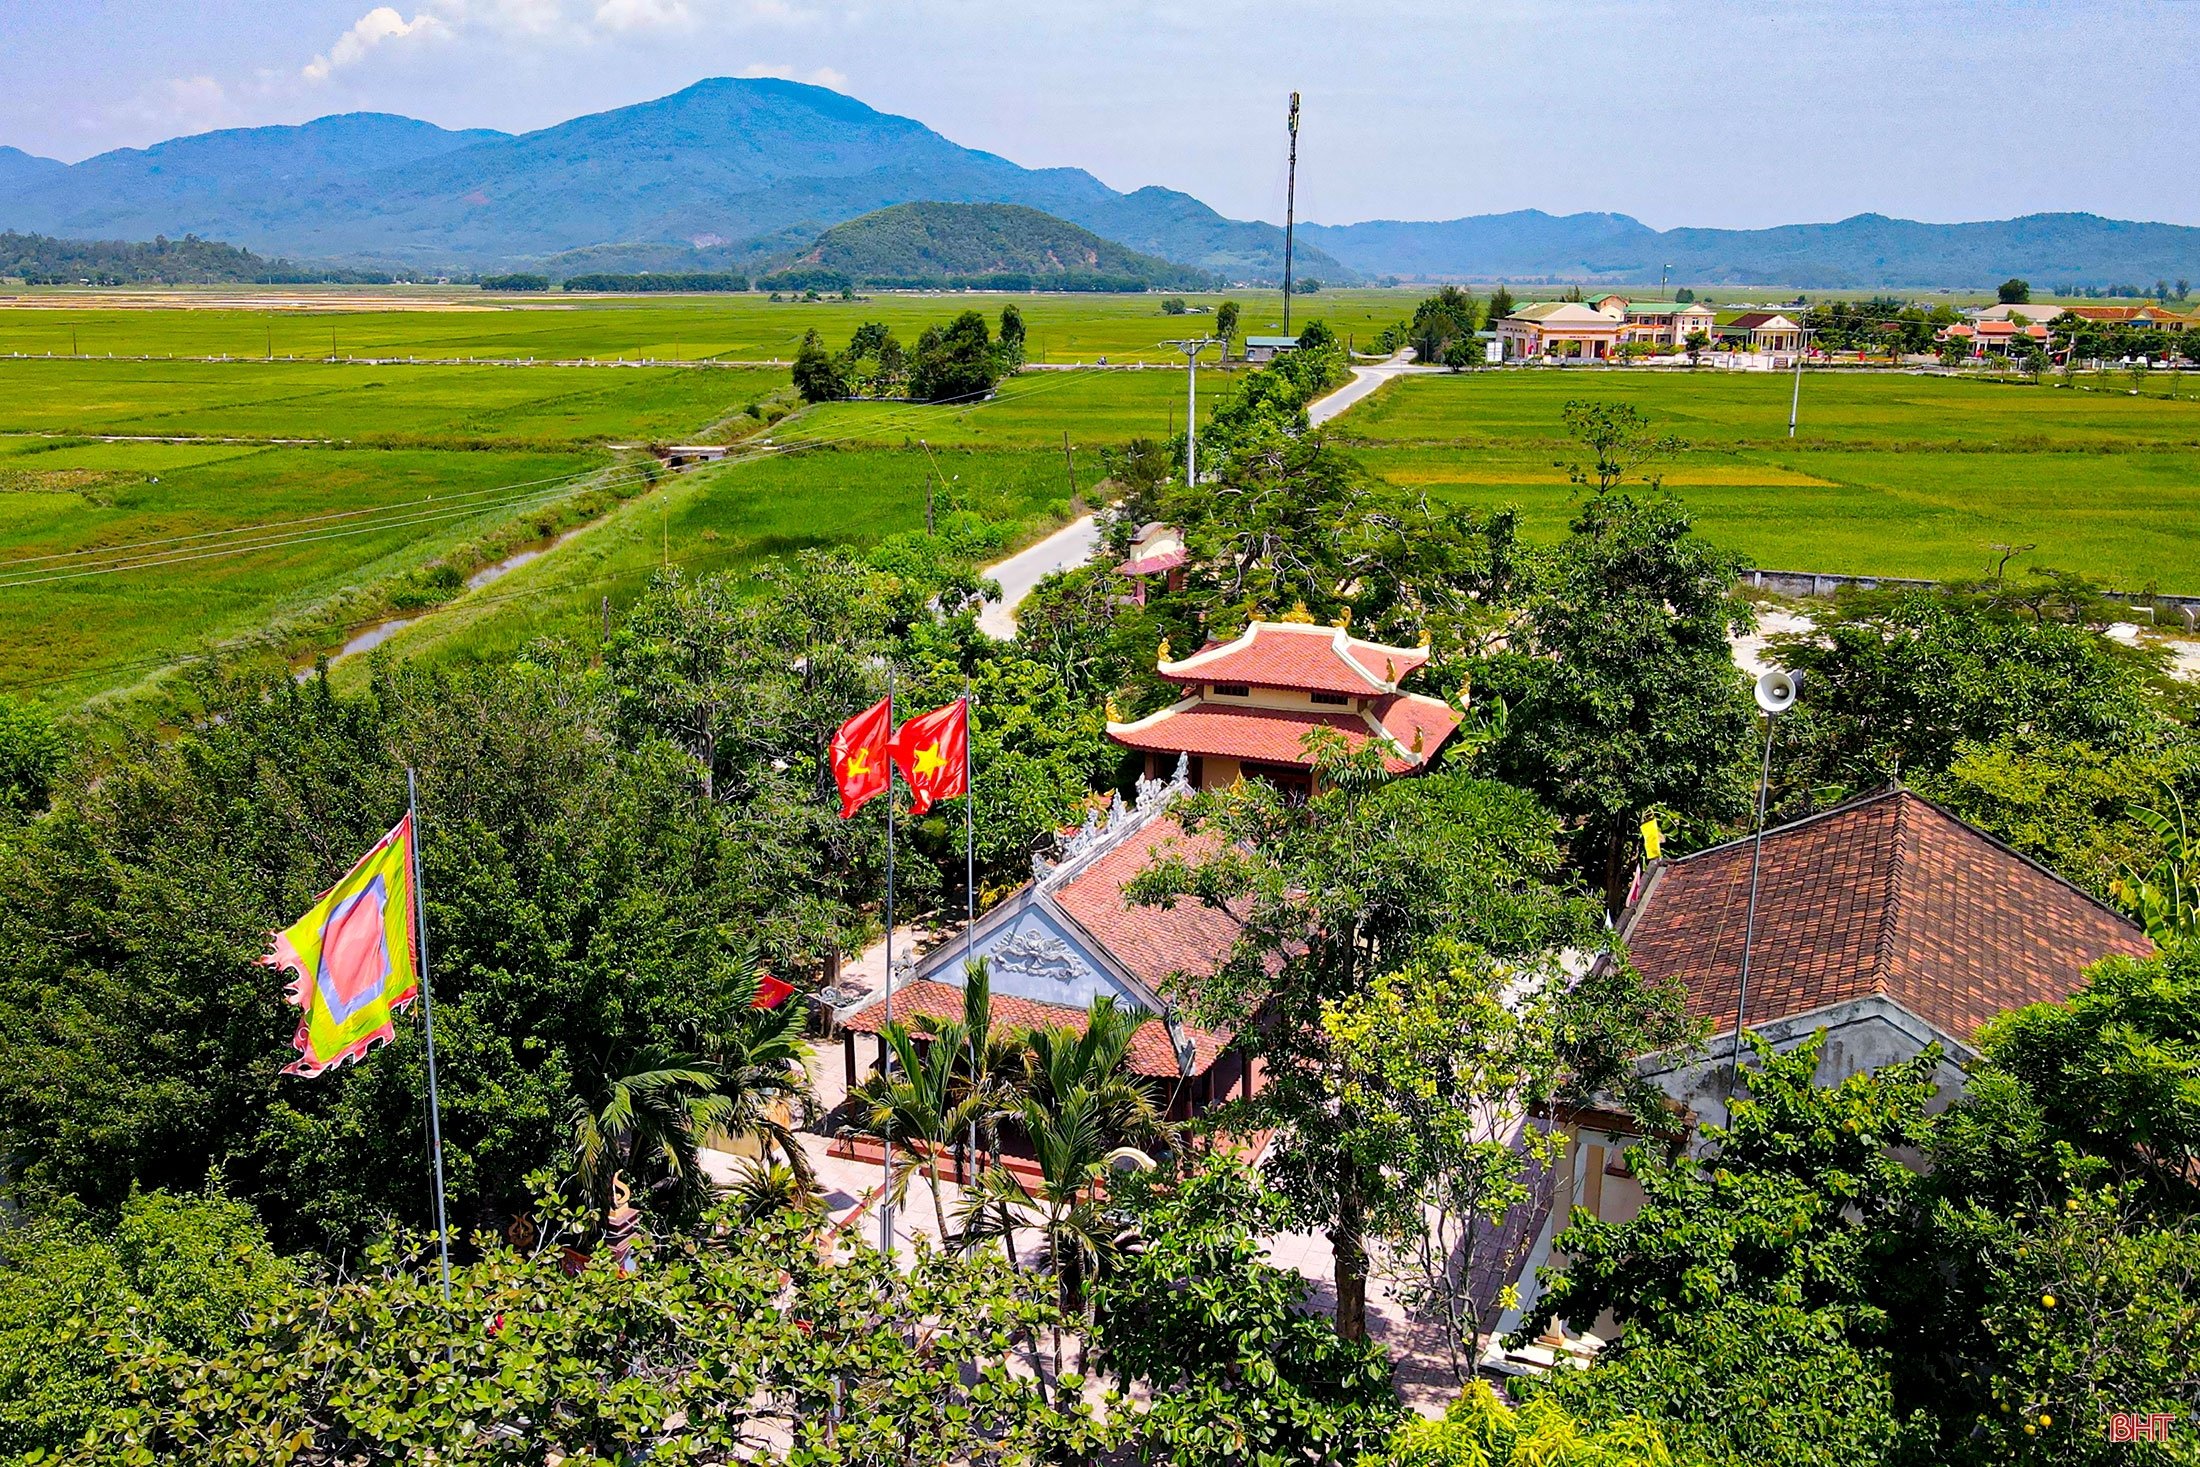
(719, 164)
(996, 244)
(1865, 252)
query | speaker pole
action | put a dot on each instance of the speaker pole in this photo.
(1775, 694)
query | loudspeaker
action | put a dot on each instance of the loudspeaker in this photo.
(1776, 691)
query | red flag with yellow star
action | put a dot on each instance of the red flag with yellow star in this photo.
(932, 751)
(859, 757)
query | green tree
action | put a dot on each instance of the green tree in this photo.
(816, 375)
(31, 752)
(1012, 337)
(1502, 304)
(1695, 344)
(646, 1123)
(1237, 1369)
(1620, 442)
(1749, 1282)
(170, 1272)
(2013, 292)
(1449, 1068)
(745, 1344)
(1173, 305)
(1622, 692)
(1479, 1430)
(957, 364)
(917, 1101)
(1226, 325)
(1368, 876)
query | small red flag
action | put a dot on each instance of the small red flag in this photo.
(932, 751)
(771, 992)
(859, 756)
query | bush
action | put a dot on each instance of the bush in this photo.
(515, 282)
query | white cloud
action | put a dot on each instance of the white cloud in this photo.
(823, 76)
(643, 15)
(377, 27)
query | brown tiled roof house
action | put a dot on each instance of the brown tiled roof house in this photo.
(1885, 922)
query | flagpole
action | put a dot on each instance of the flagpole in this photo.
(970, 892)
(886, 1049)
(427, 1015)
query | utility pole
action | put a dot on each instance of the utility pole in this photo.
(1191, 350)
(1663, 271)
(1290, 211)
(1071, 459)
(1802, 340)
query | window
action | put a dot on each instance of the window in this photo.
(1333, 700)
(1231, 690)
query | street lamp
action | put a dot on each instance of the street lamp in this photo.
(1191, 350)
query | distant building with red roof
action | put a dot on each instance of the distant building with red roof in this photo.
(1250, 703)
(1156, 550)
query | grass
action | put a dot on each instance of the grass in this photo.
(438, 406)
(1063, 327)
(1889, 475)
(730, 517)
(71, 510)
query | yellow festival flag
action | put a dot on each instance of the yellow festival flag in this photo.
(353, 958)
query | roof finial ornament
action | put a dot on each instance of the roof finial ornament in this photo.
(1344, 619)
(1423, 643)
(1161, 653)
(1298, 613)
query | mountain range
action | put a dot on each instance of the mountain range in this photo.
(1863, 252)
(933, 244)
(722, 163)
(745, 174)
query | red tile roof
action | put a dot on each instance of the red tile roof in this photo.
(1278, 735)
(1152, 943)
(1315, 659)
(1269, 735)
(1151, 1054)
(1886, 895)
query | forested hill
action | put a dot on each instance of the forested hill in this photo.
(928, 243)
(38, 259)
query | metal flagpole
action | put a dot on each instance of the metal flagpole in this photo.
(427, 1015)
(886, 1048)
(970, 895)
(1749, 926)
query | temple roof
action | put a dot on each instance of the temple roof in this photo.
(1151, 1053)
(1887, 895)
(1299, 655)
(1207, 728)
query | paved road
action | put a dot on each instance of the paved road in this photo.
(1074, 543)
(1364, 382)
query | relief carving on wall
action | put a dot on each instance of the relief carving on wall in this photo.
(1038, 955)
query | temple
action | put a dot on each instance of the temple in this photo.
(1070, 935)
(1250, 703)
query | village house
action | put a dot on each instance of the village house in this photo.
(1885, 922)
(1764, 331)
(1557, 330)
(1659, 323)
(1999, 337)
(1249, 704)
(1260, 349)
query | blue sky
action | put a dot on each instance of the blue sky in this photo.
(1700, 112)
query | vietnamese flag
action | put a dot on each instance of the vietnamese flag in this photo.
(770, 992)
(932, 751)
(859, 757)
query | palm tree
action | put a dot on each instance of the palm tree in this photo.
(918, 1101)
(1069, 1139)
(647, 1124)
(765, 1188)
(755, 1059)
(1060, 1061)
